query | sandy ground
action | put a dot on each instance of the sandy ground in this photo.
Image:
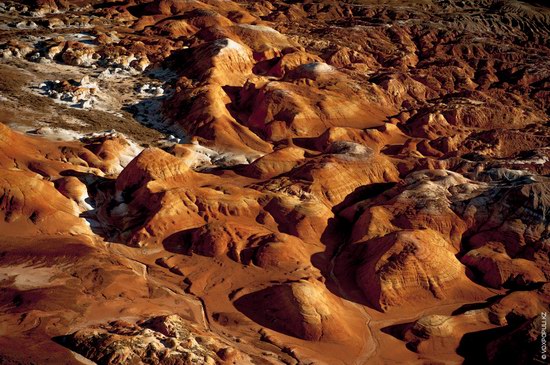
(24, 106)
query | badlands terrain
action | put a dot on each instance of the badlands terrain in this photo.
(274, 182)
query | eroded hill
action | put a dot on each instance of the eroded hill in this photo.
(273, 182)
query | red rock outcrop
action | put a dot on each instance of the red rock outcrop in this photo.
(301, 309)
(410, 267)
(328, 182)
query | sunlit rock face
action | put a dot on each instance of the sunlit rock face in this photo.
(273, 182)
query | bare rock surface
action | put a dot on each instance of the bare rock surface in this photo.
(274, 182)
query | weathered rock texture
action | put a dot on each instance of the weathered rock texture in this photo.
(273, 182)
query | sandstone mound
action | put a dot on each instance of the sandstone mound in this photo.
(283, 110)
(74, 189)
(345, 168)
(440, 334)
(302, 309)
(499, 219)
(456, 208)
(287, 62)
(422, 200)
(247, 245)
(519, 306)
(222, 61)
(410, 267)
(316, 175)
(150, 165)
(499, 269)
(275, 163)
(34, 205)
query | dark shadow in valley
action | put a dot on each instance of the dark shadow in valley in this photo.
(397, 330)
(307, 142)
(476, 306)
(363, 193)
(473, 345)
(339, 262)
(271, 310)
(241, 109)
(99, 189)
(179, 242)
